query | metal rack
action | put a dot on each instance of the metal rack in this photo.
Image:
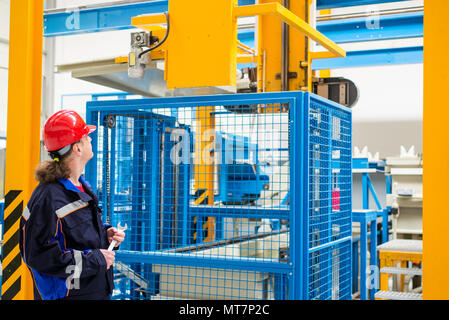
(370, 236)
(156, 168)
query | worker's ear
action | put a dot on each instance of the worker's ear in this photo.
(76, 148)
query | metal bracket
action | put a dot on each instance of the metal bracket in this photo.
(291, 75)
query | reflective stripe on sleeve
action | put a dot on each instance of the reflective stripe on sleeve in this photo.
(26, 213)
(70, 208)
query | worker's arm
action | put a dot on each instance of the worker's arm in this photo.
(40, 248)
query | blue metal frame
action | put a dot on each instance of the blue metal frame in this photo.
(329, 4)
(115, 17)
(368, 188)
(366, 218)
(369, 217)
(392, 26)
(294, 273)
(99, 19)
(367, 58)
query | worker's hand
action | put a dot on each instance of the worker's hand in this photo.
(114, 234)
(109, 256)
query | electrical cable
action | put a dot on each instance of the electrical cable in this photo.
(160, 43)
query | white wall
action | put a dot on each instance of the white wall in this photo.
(389, 112)
(83, 48)
(4, 54)
(387, 93)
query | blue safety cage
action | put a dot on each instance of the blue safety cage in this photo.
(239, 196)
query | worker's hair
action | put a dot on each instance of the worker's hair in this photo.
(51, 170)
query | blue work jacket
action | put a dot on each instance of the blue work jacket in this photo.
(61, 232)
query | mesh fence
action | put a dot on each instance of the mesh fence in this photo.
(203, 184)
(330, 205)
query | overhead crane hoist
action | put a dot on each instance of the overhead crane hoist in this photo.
(201, 50)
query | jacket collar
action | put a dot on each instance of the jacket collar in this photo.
(70, 186)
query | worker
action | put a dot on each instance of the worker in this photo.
(63, 240)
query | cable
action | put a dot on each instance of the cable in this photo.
(160, 43)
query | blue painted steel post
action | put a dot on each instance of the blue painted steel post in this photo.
(104, 193)
(137, 199)
(373, 255)
(365, 191)
(112, 177)
(329, 207)
(363, 257)
(388, 185)
(186, 187)
(298, 207)
(373, 193)
(155, 168)
(355, 266)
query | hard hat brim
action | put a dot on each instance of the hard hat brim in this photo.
(91, 128)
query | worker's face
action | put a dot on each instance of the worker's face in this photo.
(86, 148)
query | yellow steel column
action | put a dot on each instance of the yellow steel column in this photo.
(204, 163)
(325, 73)
(270, 37)
(271, 47)
(23, 142)
(299, 47)
(436, 172)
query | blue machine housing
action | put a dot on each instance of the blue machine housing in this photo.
(240, 179)
(243, 183)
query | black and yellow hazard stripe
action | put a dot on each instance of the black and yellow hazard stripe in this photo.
(11, 258)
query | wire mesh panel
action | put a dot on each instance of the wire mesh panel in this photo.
(330, 205)
(204, 183)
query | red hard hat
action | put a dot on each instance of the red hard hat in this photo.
(64, 128)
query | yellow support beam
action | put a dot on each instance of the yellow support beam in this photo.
(292, 20)
(149, 22)
(23, 141)
(243, 47)
(436, 170)
(204, 163)
(322, 55)
(246, 58)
